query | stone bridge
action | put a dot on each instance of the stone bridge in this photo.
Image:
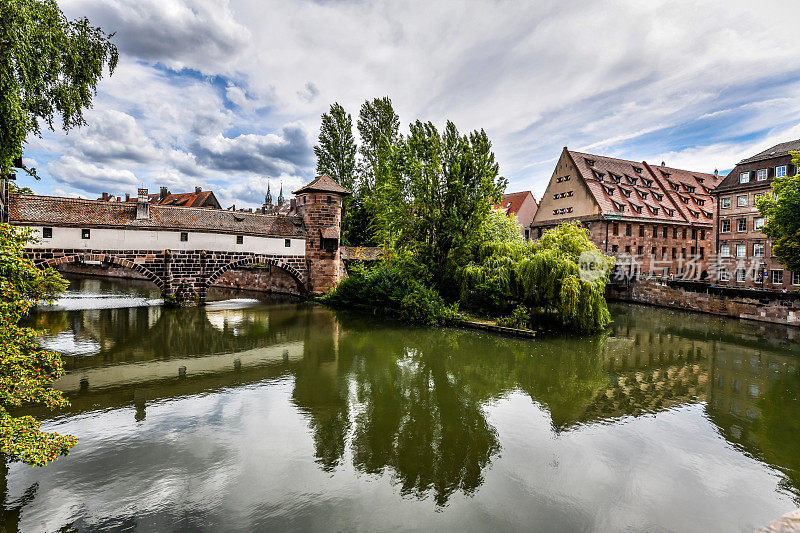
(184, 250)
(185, 274)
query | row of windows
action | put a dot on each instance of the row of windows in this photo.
(759, 249)
(664, 231)
(741, 225)
(562, 195)
(761, 174)
(562, 211)
(86, 233)
(774, 276)
(741, 200)
(664, 251)
(562, 178)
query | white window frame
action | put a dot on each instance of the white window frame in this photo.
(724, 275)
(725, 203)
(744, 177)
(722, 225)
(761, 174)
(739, 227)
(796, 278)
(741, 250)
(759, 249)
(743, 273)
(758, 223)
(776, 276)
(780, 171)
(741, 200)
(724, 250)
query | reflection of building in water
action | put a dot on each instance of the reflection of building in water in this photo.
(650, 368)
(739, 381)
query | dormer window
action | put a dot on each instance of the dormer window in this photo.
(636, 169)
(700, 202)
(626, 192)
(780, 171)
(589, 162)
(647, 183)
(637, 208)
(744, 177)
(761, 174)
(658, 196)
(689, 189)
(642, 195)
(609, 191)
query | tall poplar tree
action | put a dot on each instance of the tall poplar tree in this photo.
(49, 66)
(336, 151)
(379, 128)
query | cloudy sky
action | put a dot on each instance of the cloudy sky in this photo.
(227, 94)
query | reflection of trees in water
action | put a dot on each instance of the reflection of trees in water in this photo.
(413, 398)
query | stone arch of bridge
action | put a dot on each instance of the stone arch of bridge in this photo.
(259, 259)
(105, 258)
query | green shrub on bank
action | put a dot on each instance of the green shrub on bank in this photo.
(389, 287)
(520, 318)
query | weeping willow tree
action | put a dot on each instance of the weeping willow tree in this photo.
(563, 274)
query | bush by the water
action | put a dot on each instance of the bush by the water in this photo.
(388, 287)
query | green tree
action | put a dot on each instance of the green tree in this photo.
(434, 191)
(48, 66)
(336, 151)
(379, 128)
(782, 211)
(26, 370)
(545, 276)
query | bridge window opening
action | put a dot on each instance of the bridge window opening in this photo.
(86, 233)
(328, 199)
(287, 243)
(184, 236)
(240, 239)
(47, 233)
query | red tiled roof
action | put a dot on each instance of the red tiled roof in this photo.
(33, 209)
(187, 199)
(323, 183)
(330, 233)
(512, 202)
(639, 190)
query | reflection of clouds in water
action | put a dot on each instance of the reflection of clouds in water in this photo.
(68, 343)
(229, 314)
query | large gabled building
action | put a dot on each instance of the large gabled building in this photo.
(744, 253)
(656, 219)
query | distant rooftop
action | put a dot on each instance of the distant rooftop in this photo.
(776, 151)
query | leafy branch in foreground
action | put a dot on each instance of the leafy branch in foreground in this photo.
(26, 370)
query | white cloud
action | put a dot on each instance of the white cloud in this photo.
(88, 177)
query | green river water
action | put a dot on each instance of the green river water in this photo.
(249, 415)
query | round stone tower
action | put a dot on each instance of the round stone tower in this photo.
(320, 205)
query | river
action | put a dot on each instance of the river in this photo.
(252, 415)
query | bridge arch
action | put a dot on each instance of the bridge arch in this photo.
(104, 258)
(259, 259)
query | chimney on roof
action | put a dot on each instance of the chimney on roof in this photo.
(293, 204)
(663, 164)
(162, 193)
(104, 197)
(143, 206)
(127, 197)
(716, 173)
(198, 190)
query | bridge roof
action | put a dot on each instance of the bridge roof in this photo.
(58, 211)
(324, 183)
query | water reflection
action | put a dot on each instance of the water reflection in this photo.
(417, 406)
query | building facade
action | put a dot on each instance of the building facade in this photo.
(744, 254)
(656, 220)
(521, 205)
